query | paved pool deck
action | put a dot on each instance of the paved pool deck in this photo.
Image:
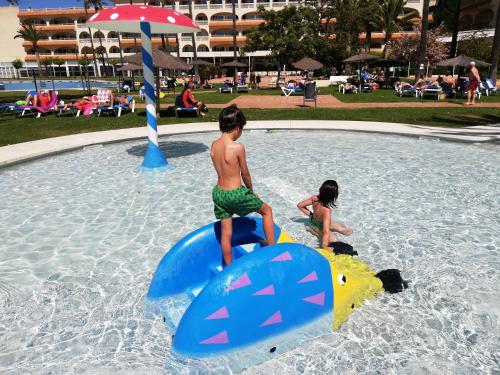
(31, 150)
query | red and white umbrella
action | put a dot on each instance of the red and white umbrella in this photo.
(146, 20)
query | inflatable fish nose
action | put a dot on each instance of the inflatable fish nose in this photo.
(267, 292)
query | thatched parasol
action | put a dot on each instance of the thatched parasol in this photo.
(161, 59)
(235, 64)
(463, 61)
(362, 57)
(307, 64)
(200, 62)
(129, 67)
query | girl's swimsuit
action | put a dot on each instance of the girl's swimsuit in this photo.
(315, 223)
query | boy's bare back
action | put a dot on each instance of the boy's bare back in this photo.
(229, 162)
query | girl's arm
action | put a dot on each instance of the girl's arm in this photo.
(325, 235)
(302, 206)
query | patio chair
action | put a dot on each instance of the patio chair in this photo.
(310, 93)
(37, 111)
(489, 86)
(344, 89)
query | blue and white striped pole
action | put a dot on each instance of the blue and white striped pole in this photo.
(154, 157)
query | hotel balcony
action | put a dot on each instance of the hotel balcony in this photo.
(129, 42)
(240, 25)
(56, 27)
(31, 13)
(66, 56)
(227, 40)
(53, 43)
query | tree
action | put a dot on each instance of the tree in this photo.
(406, 47)
(371, 14)
(17, 64)
(496, 48)
(86, 4)
(288, 34)
(392, 21)
(57, 61)
(477, 45)
(31, 34)
(46, 62)
(349, 24)
(448, 11)
(422, 47)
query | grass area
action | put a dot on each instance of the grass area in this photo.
(389, 96)
(16, 130)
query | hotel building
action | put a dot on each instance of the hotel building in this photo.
(67, 37)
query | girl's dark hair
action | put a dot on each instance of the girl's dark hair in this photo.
(231, 118)
(328, 193)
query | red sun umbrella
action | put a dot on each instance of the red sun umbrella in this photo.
(146, 20)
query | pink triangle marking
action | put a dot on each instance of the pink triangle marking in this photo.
(242, 281)
(267, 291)
(282, 257)
(273, 319)
(219, 314)
(220, 338)
(311, 277)
(317, 299)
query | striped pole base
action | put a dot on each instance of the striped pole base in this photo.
(154, 157)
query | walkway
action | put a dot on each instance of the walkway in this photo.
(330, 101)
(30, 150)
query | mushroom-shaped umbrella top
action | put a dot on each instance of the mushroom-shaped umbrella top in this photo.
(127, 18)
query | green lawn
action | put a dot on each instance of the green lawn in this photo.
(16, 130)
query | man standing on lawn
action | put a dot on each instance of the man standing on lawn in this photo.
(474, 80)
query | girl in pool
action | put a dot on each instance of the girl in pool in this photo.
(320, 222)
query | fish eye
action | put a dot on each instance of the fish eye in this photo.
(341, 279)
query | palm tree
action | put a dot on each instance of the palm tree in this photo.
(422, 47)
(96, 69)
(31, 34)
(98, 5)
(496, 48)
(392, 20)
(17, 64)
(371, 14)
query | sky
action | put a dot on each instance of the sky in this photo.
(36, 4)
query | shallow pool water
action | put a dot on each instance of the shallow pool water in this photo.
(82, 233)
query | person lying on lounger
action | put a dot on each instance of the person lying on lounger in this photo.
(78, 103)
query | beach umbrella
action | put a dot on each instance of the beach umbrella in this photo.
(129, 67)
(146, 20)
(161, 60)
(235, 64)
(200, 62)
(463, 61)
(362, 57)
(307, 64)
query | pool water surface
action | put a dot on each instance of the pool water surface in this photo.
(82, 233)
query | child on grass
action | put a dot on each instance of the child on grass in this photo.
(320, 222)
(229, 196)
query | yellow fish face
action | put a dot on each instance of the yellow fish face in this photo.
(353, 283)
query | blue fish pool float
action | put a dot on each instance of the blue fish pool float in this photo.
(267, 301)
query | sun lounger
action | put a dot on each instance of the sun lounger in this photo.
(435, 91)
(37, 111)
(348, 90)
(406, 90)
(489, 86)
(288, 91)
(242, 88)
(117, 109)
(226, 88)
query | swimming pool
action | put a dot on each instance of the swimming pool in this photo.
(84, 231)
(47, 84)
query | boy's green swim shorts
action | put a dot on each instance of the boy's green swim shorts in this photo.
(241, 202)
